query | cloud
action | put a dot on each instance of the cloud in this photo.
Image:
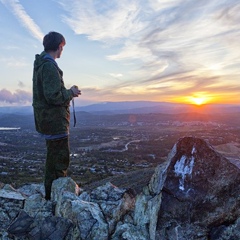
(21, 84)
(18, 97)
(17, 9)
(174, 46)
(14, 62)
(9, 47)
(103, 21)
(116, 75)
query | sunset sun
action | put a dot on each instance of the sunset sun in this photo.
(198, 100)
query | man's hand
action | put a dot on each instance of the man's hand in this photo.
(75, 90)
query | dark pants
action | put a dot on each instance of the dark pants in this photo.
(57, 162)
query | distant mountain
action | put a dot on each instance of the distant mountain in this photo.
(25, 110)
(143, 107)
(130, 107)
(136, 107)
(16, 120)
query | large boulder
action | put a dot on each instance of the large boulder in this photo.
(201, 191)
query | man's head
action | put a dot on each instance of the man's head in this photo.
(54, 42)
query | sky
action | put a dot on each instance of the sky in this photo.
(183, 51)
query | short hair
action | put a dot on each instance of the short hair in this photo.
(52, 40)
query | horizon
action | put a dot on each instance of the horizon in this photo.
(160, 51)
(138, 107)
(138, 101)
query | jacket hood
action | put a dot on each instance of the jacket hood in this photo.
(42, 58)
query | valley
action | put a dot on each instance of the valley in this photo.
(110, 146)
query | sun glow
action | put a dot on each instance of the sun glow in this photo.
(198, 100)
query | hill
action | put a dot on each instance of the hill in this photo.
(136, 107)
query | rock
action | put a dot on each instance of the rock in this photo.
(129, 231)
(146, 213)
(89, 219)
(158, 179)
(9, 188)
(51, 228)
(201, 190)
(11, 202)
(225, 232)
(22, 225)
(61, 185)
(37, 207)
(63, 188)
(1, 185)
(31, 189)
(114, 202)
(97, 218)
(149, 201)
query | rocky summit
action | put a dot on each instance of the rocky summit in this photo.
(194, 195)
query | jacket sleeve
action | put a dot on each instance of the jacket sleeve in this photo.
(54, 90)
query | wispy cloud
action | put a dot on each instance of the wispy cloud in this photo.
(9, 47)
(193, 41)
(18, 10)
(19, 97)
(14, 62)
(116, 75)
(103, 21)
(21, 84)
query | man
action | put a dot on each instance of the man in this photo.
(51, 101)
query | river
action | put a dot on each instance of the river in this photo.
(124, 149)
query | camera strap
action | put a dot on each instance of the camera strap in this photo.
(74, 115)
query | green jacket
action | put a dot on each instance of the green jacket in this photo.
(51, 100)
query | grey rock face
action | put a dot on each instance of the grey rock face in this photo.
(201, 191)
